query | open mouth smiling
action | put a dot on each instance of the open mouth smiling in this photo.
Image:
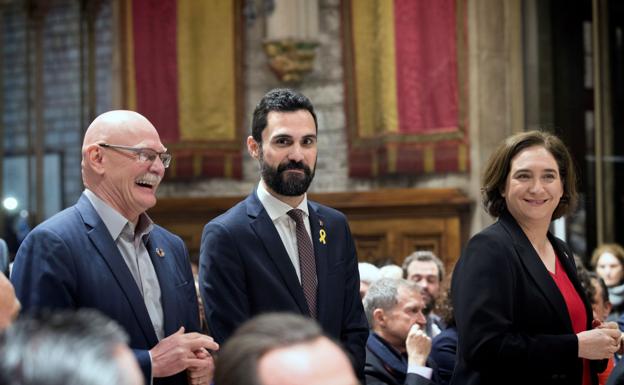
(146, 182)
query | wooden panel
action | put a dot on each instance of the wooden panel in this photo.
(387, 225)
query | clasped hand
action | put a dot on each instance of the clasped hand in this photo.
(601, 342)
(185, 351)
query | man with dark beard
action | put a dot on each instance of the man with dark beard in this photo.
(277, 251)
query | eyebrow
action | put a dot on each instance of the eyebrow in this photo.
(529, 170)
(287, 136)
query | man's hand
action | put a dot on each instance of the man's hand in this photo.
(177, 353)
(201, 376)
(418, 346)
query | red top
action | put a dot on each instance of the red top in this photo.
(576, 308)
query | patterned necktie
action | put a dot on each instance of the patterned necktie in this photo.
(307, 261)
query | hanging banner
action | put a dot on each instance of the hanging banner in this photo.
(406, 86)
(181, 72)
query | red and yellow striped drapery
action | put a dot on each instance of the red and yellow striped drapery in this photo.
(181, 71)
(406, 86)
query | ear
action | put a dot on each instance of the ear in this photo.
(379, 316)
(93, 159)
(608, 307)
(253, 147)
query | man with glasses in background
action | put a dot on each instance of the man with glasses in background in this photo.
(106, 253)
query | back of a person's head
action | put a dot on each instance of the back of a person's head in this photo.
(391, 271)
(368, 272)
(237, 362)
(238, 358)
(65, 348)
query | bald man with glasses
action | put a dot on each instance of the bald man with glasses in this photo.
(106, 253)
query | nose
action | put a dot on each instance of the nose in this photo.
(536, 186)
(157, 166)
(296, 153)
(421, 320)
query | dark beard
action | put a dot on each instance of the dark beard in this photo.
(283, 184)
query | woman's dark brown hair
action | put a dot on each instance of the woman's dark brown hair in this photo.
(499, 165)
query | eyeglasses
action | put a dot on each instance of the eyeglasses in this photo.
(144, 155)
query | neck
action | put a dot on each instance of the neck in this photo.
(130, 215)
(536, 232)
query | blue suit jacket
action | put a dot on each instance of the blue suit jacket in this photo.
(71, 261)
(245, 270)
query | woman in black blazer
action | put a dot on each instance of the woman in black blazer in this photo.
(522, 316)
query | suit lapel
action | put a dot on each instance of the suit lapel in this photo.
(101, 238)
(567, 261)
(264, 228)
(321, 244)
(534, 265)
(164, 265)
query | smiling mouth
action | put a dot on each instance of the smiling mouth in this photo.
(536, 201)
(146, 183)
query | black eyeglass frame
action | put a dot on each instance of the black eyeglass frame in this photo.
(143, 154)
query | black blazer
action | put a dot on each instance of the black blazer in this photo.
(512, 320)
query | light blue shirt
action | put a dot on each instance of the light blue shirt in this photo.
(130, 240)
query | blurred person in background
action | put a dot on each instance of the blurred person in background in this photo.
(444, 345)
(67, 348)
(427, 270)
(369, 273)
(9, 304)
(282, 349)
(608, 261)
(391, 271)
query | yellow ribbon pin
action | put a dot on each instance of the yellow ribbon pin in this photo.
(322, 236)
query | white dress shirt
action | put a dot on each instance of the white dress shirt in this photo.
(284, 224)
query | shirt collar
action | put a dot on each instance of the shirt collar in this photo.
(275, 207)
(114, 221)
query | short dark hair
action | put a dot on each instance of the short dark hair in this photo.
(237, 363)
(499, 165)
(280, 100)
(424, 256)
(603, 286)
(62, 348)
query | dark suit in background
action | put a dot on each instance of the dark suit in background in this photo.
(512, 320)
(245, 270)
(386, 366)
(71, 261)
(444, 353)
